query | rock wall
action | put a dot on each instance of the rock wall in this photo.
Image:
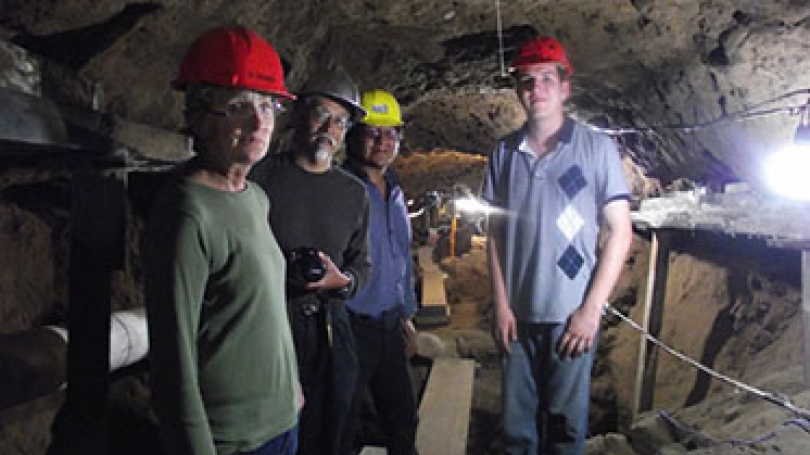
(657, 65)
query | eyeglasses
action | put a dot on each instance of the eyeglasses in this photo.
(245, 109)
(373, 133)
(321, 115)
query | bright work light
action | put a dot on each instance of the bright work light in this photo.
(787, 171)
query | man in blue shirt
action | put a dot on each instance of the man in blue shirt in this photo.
(559, 185)
(381, 313)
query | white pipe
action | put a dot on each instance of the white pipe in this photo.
(129, 342)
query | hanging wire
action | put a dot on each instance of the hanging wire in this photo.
(743, 114)
(771, 397)
(500, 37)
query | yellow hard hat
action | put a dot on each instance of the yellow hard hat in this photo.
(382, 108)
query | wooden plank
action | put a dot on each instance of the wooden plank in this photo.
(806, 313)
(425, 256)
(749, 214)
(444, 412)
(433, 310)
(433, 292)
(651, 321)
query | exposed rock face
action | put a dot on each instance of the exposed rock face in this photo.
(637, 63)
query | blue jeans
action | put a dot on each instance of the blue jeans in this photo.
(284, 444)
(545, 397)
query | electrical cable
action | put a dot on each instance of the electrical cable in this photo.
(771, 397)
(744, 114)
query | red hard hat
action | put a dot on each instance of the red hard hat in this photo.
(542, 49)
(233, 57)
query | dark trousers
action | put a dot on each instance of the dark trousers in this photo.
(385, 373)
(327, 366)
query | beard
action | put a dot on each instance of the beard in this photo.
(325, 146)
(322, 154)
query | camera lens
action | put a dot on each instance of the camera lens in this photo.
(306, 264)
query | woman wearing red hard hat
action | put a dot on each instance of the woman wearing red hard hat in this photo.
(224, 375)
(557, 185)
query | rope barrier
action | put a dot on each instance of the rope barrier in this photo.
(771, 397)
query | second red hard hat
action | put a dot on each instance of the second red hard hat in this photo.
(542, 49)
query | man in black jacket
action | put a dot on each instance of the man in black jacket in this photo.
(319, 214)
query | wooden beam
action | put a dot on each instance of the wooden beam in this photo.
(745, 214)
(806, 313)
(444, 412)
(98, 224)
(651, 321)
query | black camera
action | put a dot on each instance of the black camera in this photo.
(305, 265)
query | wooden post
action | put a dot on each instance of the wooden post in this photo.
(98, 223)
(806, 313)
(453, 229)
(651, 321)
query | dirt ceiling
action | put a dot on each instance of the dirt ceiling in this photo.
(661, 66)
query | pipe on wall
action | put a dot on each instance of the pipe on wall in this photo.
(34, 362)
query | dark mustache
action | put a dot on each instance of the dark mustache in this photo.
(317, 137)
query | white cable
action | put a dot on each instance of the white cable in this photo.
(500, 36)
(768, 396)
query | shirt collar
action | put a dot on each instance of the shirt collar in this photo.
(566, 134)
(357, 169)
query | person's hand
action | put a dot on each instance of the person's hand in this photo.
(579, 337)
(504, 327)
(332, 279)
(409, 333)
(301, 400)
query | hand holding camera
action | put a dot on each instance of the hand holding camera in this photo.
(314, 270)
(305, 266)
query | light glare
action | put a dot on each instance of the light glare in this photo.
(787, 172)
(472, 205)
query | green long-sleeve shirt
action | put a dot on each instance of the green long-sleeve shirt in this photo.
(223, 365)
